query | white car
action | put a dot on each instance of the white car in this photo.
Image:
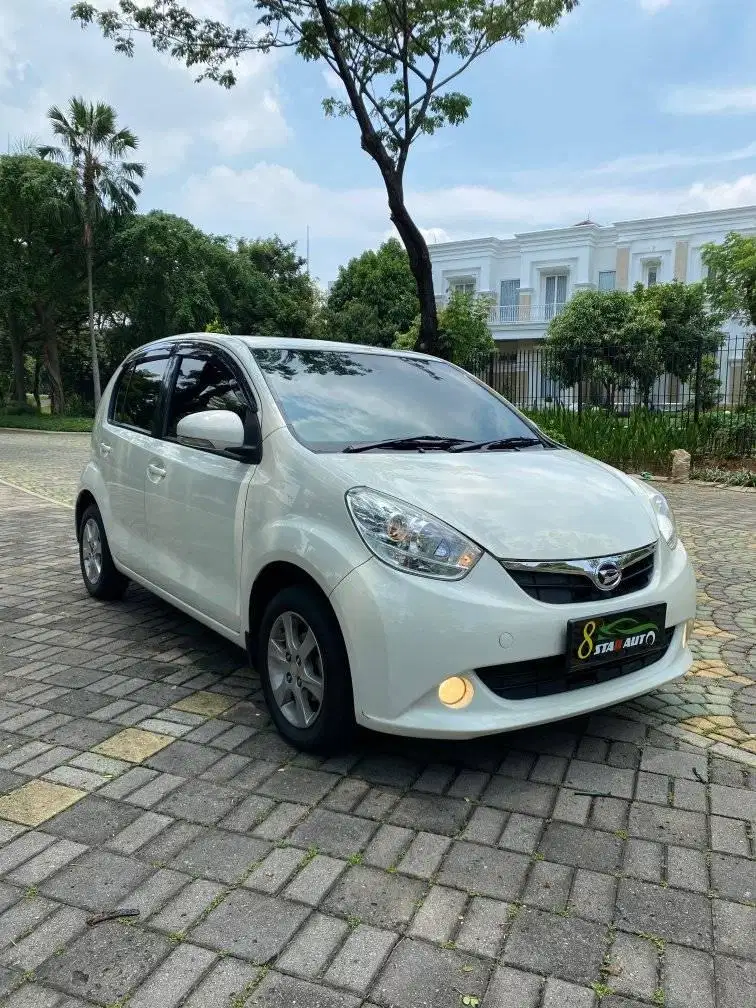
(393, 543)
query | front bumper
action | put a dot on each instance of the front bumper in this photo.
(406, 634)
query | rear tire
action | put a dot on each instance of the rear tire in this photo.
(101, 577)
(304, 670)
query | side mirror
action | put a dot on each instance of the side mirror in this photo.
(219, 429)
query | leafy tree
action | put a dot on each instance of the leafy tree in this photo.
(395, 58)
(464, 335)
(607, 338)
(41, 287)
(731, 282)
(275, 296)
(373, 298)
(690, 329)
(94, 147)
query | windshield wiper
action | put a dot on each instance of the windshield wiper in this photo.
(498, 444)
(418, 441)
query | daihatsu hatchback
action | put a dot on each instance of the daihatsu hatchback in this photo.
(393, 542)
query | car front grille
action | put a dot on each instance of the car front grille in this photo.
(542, 677)
(569, 581)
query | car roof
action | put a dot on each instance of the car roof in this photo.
(283, 343)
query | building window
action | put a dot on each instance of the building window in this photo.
(510, 301)
(462, 285)
(652, 271)
(607, 280)
(555, 294)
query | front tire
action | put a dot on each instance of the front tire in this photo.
(101, 577)
(305, 673)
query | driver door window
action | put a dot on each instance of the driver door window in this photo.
(204, 382)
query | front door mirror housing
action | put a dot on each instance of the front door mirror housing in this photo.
(218, 429)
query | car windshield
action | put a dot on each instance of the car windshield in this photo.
(337, 399)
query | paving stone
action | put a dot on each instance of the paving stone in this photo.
(23, 848)
(199, 801)
(468, 784)
(735, 982)
(186, 759)
(484, 926)
(424, 855)
(313, 947)
(729, 836)
(675, 764)
(47, 863)
(425, 976)
(584, 848)
(98, 880)
(439, 914)
(281, 821)
(345, 795)
(315, 879)
(560, 994)
(248, 814)
(275, 870)
(431, 813)
(374, 897)
(522, 833)
(143, 829)
(387, 846)
(519, 796)
(680, 917)
(548, 886)
(227, 927)
(738, 803)
(36, 802)
(21, 918)
(133, 745)
(225, 768)
(333, 832)
(484, 870)
(377, 803)
(360, 958)
(128, 783)
(583, 776)
(277, 991)
(634, 966)
(735, 929)
(80, 733)
(53, 756)
(571, 807)
(686, 869)
(510, 987)
(207, 704)
(388, 771)
(434, 779)
(667, 825)
(56, 931)
(174, 978)
(226, 982)
(570, 948)
(688, 978)
(220, 855)
(652, 788)
(296, 784)
(31, 995)
(169, 843)
(106, 962)
(93, 820)
(644, 859)
(733, 878)
(179, 913)
(485, 825)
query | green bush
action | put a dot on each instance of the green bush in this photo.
(20, 409)
(644, 439)
(727, 477)
(43, 421)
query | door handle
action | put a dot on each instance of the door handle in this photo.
(105, 449)
(155, 472)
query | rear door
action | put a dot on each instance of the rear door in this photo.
(127, 440)
(195, 497)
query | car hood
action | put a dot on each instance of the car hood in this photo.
(526, 505)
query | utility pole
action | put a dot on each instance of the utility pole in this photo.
(307, 251)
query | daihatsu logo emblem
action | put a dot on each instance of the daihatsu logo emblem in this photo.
(608, 575)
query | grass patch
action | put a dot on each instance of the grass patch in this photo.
(725, 477)
(601, 990)
(46, 422)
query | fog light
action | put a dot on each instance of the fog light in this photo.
(456, 692)
(688, 631)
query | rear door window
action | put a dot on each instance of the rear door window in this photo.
(138, 395)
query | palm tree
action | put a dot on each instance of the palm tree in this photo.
(93, 147)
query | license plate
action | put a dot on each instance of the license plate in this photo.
(613, 636)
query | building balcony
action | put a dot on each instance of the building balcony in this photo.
(523, 314)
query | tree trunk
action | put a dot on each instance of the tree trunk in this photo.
(17, 357)
(52, 364)
(420, 264)
(92, 335)
(35, 386)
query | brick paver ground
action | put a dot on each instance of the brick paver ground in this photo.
(607, 860)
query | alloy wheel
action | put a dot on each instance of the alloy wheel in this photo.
(295, 669)
(91, 551)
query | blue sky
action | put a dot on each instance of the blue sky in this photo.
(630, 108)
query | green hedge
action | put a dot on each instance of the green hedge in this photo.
(43, 421)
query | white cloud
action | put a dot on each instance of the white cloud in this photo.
(652, 6)
(639, 164)
(435, 235)
(154, 95)
(332, 80)
(711, 101)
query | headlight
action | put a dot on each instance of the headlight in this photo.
(665, 519)
(407, 538)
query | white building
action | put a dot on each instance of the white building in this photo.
(531, 276)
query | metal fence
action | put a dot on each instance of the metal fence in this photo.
(707, 388)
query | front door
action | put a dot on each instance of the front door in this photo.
(195, 497)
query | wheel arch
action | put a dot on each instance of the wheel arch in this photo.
(83, 501)
(272, 579)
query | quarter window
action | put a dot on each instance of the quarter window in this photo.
(204, 382)
(138, 394)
